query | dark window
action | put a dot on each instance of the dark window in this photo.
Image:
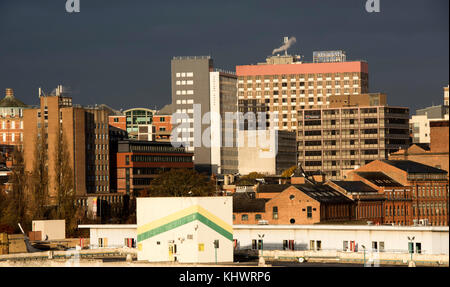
(309, 211)
(275, 212)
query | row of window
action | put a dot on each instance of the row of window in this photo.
(14, 125)
(301, 76)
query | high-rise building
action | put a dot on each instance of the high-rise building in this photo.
(205, 131)
(301, 85)
(339, 124)
(86, 133)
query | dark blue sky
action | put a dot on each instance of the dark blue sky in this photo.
(118, 52)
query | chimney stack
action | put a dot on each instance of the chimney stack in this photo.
(9, 92)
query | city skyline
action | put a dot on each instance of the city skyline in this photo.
(119, 54)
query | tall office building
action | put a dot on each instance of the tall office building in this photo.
(339, 124)
(86, 134)
(197, 85)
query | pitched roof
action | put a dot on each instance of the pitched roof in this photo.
(246, 202)
(413, 167)
(354, 186)
(322, 193)
(11, 101)
(378, 178)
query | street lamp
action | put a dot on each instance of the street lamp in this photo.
(364, 254)
(261, 236)
(411, 245)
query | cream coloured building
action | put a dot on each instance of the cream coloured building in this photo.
(185, 229)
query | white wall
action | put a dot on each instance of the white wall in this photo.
(434, 240)
(157, 212)
(257, 151)
(115, 236)
(54, 229)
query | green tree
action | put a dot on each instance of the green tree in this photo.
(39, 177)
(65, 194)
(16, 203)
(180, 182)
(288, 172)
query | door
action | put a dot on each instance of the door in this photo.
(171, 251)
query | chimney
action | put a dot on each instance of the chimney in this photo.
(297, 180)
(319, 178)
(9, 92)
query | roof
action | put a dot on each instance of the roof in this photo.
(378, 178)
(413, 167)
(166, 110)
(246, 202)
(272, 188)
(11, 101)
(322, 193)
(354, 186)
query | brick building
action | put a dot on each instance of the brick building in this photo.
(118, 121)
(422, 194)
(292, 204)
(369, 202)
(436, 154)
(163, 127)
(138, 162)
(11, 119)
(86, 133)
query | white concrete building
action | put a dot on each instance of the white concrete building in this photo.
(185, 229)
(266, 151)
(111, 235)
(427, 239)
(50, 229)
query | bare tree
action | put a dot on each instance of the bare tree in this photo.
(17, 203)
(64, 184)
(39, 176)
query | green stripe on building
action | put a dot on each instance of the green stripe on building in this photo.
(182, 221)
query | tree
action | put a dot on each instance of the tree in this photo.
(288, 172)
(65, 193)
(250, 178)
(39, 177)
(180, 182)
(16, 208)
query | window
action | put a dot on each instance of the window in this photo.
(309, 211)
(201, 247)
(319, 245)
(345, 246)
(258, 217)
(374, 246)
(244, 217)
(275, 212)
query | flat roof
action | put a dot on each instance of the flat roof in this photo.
(344, 227)
(302, 68)
(108, 226)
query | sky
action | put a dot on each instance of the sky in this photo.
(118, 52)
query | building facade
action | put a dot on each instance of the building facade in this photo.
(197, 85)
(338, 140)
(136, 117)
(11, 119)
(138, 162)
(266, 151)
(185, 229)
(163, 127)
(86, 133)
(425, 191)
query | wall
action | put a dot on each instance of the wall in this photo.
(185, 222)
(54, 229)
(115, 234)
(434, 240)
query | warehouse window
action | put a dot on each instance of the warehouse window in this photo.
(275, 212)
(309, 211)
(244, 217)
